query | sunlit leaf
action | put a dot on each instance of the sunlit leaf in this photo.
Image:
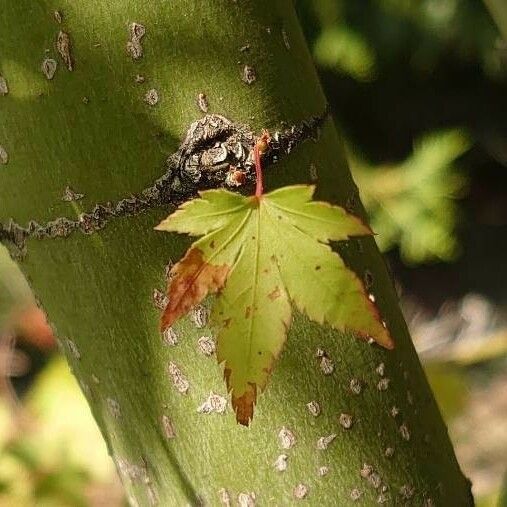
(260, 254)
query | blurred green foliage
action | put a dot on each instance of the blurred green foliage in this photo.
(383, 45)
(412, 203)
(383, 32)
(51, 450)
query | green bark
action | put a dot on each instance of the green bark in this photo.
(97, 289)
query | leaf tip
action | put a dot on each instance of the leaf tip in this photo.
(244, 405)
(160, 226)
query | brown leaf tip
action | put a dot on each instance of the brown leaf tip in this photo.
(190, 281)
(243, 405)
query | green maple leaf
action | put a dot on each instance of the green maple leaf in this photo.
(260, 254)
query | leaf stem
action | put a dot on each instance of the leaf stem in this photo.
(261, 147)
(259, 189)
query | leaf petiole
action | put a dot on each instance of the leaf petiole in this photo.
(261, 147)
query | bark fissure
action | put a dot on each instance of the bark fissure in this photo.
(215, 153)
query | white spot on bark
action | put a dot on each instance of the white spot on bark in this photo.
(285, 38)
(4, 156)
(73, 349)
(134, 47)
(366, 470)
(410, 399)
(345, 421)
(199, 316)
(214, 403)
(383, 384)
(404, 432)
(286, 438)
(160, 300)
(389, 452)
(326, 365)
(355, 386)
(381, 369)
(324, 442)
(323, 471)
(394, 411)
(407, 492)
(48, 67)
(281, 463)
(85, 388)
(383, 498)
(224, 497)
(64, 49)
(139, 79)
(151, 97)
(206, 345)
(313, 173)
(313, 407)
(170, 337)
(249, 75)
(202, 102)
(246, 499)
(58, 16)
(137, 31)
(114, 407)
(355, 494)
(371, 297)
(167, 269)
(375, 480)
(4, 89)
(179, 380)
(168, 427)
(69, 195)
(300, 491)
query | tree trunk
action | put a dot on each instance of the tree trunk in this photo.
(107, 125)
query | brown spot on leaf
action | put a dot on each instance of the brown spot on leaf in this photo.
(191, 280)
(275, 294)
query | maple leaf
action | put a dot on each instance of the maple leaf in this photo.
(260, 254)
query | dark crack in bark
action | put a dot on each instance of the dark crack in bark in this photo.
(215, 153)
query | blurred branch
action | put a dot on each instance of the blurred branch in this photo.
(498, 10)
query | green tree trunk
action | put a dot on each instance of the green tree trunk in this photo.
(99, 131)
